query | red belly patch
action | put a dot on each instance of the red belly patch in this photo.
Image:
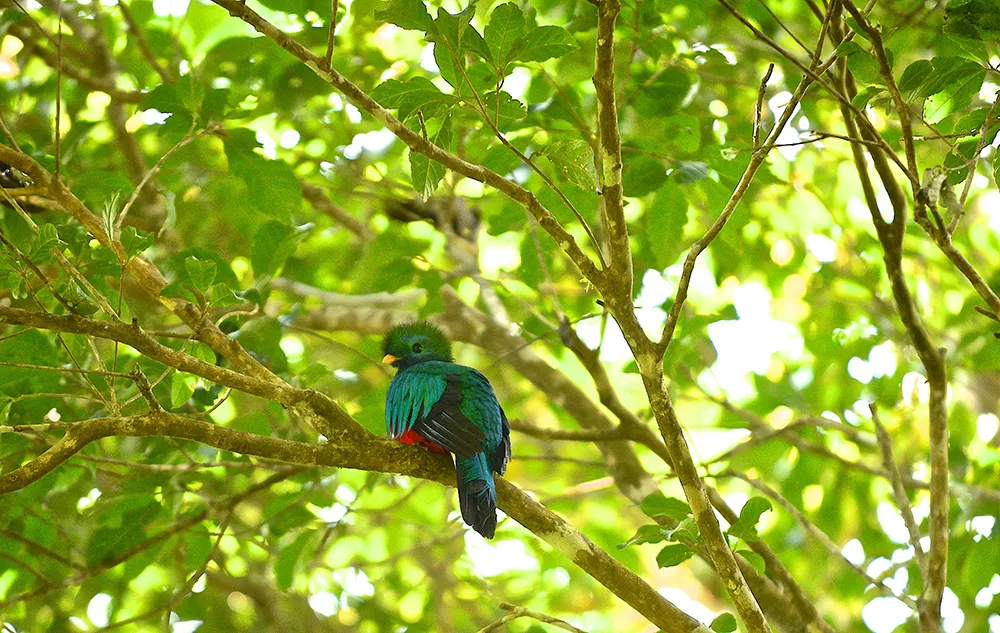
(412, 437)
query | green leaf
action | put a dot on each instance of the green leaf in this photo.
(425, 173)
(665, 94)
(914, 75)
(753, 509)
(574, 162)
(450, 28)
(507, 107)
(646, 534)
(545, 42)
(656, 504)
(504, 33)
(684, 131)
(861, 62)
(746, 527)
(181, 387)
(673, 555)
(407, 14)
(685, 532)
(272, 185)
(202, 352)
(665, 221)
(756, 560)
(284, 566)
(996, 167)
(642, 176)
(46, 239)
(135, 242)
(263, 338)
(417, 94)
(725, 623)
(865, 95)
(198, 546)
(223, 296)
(687, 172)
(955, 85)
(163, 98)
(200, 272)
(273, 243)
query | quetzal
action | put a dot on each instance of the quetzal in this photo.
(448, 408)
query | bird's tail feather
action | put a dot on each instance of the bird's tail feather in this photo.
(477, 495)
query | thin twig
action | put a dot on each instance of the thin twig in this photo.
(819, 535)
(120, 220)
(760, 105)
(515, 612)
(902, 501)
(59, 65)
(330, 38)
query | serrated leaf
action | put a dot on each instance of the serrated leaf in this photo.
(657, 504)
(449, 28)
(503, 109)
(545, 42)
(223, 296)
(861, 62)
(725, 623)
(425, 173)
(960, 88)
(200, 272)
(673, 555)
(574, 162)
(504, 33)
(914, 75)
(646, 534)
(181, 387)
(135, 242)
(685, 532)
(417, 94)
(407, 14)
(45, 240)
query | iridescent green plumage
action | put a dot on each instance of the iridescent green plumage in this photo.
(436, 402)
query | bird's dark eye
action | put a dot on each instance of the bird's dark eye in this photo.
(417, 348)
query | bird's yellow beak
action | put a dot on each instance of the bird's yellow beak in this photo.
(389, 359)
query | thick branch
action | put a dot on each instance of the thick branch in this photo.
(610, 145)
(371, 454)
(137, 338)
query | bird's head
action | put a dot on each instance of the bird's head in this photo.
(411, 343)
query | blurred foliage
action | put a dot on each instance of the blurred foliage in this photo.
(790, 312)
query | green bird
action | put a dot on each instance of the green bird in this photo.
(448, 408)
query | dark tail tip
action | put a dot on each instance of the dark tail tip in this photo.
(479, 507)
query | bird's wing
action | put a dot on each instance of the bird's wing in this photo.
(446, 425)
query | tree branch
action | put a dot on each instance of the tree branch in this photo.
(370, 453)
(610, 144)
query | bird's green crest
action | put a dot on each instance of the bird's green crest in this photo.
(412, 343)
